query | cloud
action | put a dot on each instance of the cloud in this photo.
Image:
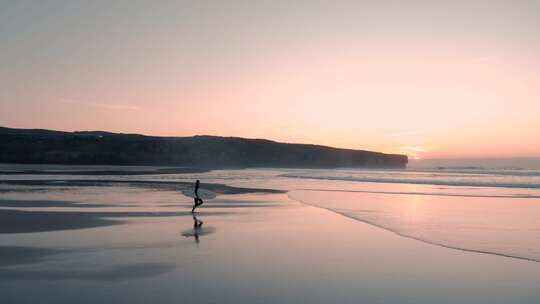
(101, 105)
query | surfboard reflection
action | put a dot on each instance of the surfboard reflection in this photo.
(198, 230)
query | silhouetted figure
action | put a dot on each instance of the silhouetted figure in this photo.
(196, 200)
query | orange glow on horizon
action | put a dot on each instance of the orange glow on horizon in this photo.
(427, 82)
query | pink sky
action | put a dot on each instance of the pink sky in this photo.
(427, 80)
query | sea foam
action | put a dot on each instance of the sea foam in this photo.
(501, 226)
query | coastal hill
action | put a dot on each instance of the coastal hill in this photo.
(36, 146)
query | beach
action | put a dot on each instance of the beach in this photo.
(371, 152)
(134, 242)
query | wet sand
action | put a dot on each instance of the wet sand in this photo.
(15, 169)
(252, 248)
(148, 184)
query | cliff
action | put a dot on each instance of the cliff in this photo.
(35, 146)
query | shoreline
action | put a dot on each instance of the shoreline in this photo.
(416, 238)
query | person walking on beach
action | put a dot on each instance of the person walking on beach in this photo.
(196, 200)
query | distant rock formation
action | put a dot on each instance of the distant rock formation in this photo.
(35, 146)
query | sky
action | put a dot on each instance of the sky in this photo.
(430, 79)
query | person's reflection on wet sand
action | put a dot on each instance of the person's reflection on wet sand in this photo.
(198, 230)
(197, 226)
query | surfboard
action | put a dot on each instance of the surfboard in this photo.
(203, 193)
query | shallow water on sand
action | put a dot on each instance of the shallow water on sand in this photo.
(494, 225)
(264, 248)
(495, 220)
(125, 243)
